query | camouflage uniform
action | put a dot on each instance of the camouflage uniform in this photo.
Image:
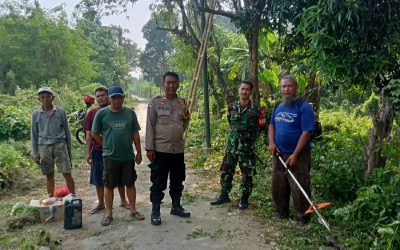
(240, 147)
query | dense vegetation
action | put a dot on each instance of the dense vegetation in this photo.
(345, 57)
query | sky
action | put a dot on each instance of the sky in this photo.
(137, 15)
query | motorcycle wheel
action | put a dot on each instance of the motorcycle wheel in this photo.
(80, 136)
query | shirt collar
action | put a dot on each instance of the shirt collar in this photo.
(54, 109)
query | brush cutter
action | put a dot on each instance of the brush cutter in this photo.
(313, 207)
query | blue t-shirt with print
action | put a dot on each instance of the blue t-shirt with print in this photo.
(290, 122)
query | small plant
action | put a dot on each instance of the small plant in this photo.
(18, 208)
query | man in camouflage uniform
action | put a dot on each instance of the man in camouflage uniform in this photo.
(243, 120)
(167, 119)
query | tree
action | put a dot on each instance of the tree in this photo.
(36, 48)
(350, 44)
(154, 60)
(252, 16)
(114, 56)
(181, 19)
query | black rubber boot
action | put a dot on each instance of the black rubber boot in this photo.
(178, 210)
(222, 199)
(244, 202)
(155, 214)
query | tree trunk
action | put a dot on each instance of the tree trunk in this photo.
(380, 132)
(312, 93)
(217, 97)
(252, 40)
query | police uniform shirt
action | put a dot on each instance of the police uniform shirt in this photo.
(166, 123)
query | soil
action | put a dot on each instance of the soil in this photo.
(209, 227)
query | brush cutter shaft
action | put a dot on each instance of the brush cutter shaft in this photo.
(304, 193)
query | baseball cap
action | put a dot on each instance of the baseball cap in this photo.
(45, 89)
(115, 90)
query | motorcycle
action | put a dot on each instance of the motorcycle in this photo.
(77, 119)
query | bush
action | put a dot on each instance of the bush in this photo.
(15, 115)
(11, 160)
(370, 216)
(374, 213)
(338, 162)
(14, 122)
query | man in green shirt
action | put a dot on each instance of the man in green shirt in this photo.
(116, 127)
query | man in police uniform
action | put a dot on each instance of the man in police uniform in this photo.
(243, 120)
(167, 119)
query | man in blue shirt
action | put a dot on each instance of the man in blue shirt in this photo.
(289, 134)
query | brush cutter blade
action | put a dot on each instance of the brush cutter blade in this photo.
(318, 206)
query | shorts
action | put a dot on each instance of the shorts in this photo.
(57, 154)
(119, 172)
(97, 168)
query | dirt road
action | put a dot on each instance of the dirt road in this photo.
(223, 227)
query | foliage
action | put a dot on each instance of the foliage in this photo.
(107, 7)
(219, 128)
(370, 106)
(111, 52)
(18, 208)
(338, 164)
(11, 160)
(37, 47)
(143, 88)
(154, 60)
(15, 114)
(40, 47)
(392, 91)
(235, 54)
(345, 40)
(375, 211)
(14, 122)
(183, 59)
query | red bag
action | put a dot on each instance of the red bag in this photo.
(61, 191)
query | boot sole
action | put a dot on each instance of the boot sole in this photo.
(180, 215)
(219, 203)
(243, 207)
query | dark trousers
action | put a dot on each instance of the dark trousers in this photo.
(283, 185)
(164, 164)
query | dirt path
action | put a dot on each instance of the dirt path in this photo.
(209, 227)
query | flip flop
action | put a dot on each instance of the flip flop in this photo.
(126, 205)
(138, 216)
(96, 210)
(106, 221)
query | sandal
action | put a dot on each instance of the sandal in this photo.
(126, 205)
(96, 210)
(106, 221)
(138, 216)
